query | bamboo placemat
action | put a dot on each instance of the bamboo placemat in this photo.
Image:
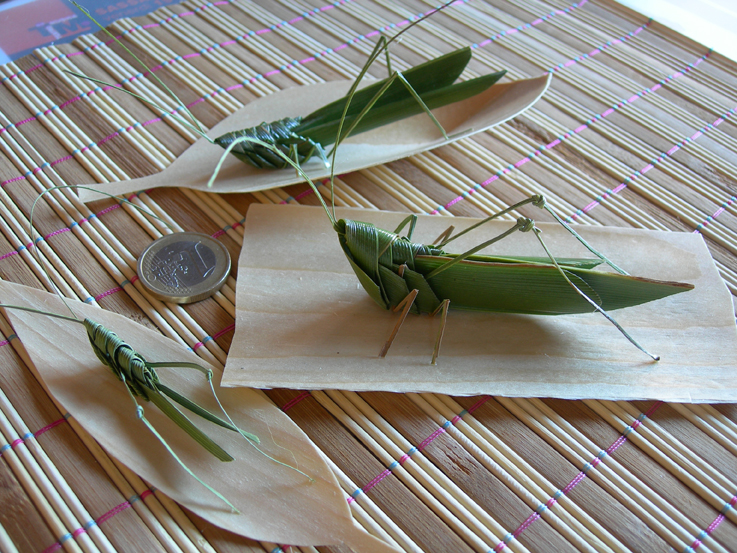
(636, 130)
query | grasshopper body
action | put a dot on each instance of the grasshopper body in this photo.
(429, 85)
(390, 266)
(397, 272)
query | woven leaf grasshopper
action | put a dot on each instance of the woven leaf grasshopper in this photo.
(424, 87)
(399, 274)
(140, 379)
(58, 353)
(402, 275)
(401, 95)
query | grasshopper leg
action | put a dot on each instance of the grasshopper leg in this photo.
(445, 236)
(405, 305)
(537, 232)
(443, 307)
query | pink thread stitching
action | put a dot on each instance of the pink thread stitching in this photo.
(427, 441)
(568, 135)
(295, 400)
(48, 427)
(716, 522)
(101, 519)
(579, 477)
(664, 155)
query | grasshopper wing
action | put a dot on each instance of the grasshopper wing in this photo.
(538, 288)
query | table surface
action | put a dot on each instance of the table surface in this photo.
(636, 130)
(706, 21)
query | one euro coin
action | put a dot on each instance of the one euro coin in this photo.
(184, 267)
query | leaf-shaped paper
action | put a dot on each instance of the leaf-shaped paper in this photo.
(303, 320)
(195, 166)
(276, 503)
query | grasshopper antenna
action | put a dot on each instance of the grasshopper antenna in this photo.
(381, 45)
(31, 232)
(197, 127)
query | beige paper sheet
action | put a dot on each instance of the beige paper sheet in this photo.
(195, 166)
(303, 320)
(276, 503)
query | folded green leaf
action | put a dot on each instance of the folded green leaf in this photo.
(431, 75)
(565, 262)
(204, 413)
(171, 411)
(400, 107)
(537, 288)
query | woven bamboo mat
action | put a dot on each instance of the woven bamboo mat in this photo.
(636, 130)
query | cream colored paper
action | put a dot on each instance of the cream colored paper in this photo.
(195, 166)
(276, 503)
(303, 320)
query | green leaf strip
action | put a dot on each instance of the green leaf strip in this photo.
(432, 81)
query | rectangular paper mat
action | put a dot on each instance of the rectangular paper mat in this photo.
(302, 321)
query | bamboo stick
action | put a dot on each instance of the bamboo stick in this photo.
(47, 508)
(444, 506)
(75, 516)
(6, 544)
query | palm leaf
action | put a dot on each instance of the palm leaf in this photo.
(401, 106)
(202, 412)
(538, 289)
(171, 411)
(431, 75)
(565, 262)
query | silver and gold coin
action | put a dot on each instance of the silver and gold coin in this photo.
(184, 267)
